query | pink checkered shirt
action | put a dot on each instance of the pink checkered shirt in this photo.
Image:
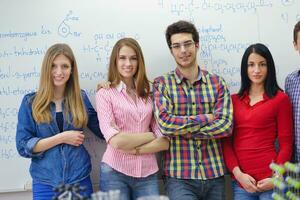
(115, 106)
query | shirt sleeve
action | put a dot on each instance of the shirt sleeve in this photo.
(285, 130)
(155, 129)
(221, 126)
(26, 138)
(169, 123)
(286, 85)
(229, 154)
(105, 114)
(93, 123)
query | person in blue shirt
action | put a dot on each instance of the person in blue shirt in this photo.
(50, 126)
(292, 83)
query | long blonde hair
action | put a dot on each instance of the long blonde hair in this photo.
(72, 94)
(142, 83)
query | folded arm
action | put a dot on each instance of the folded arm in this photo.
(221, 125)
(113, 136)
(217, 124)
(169, 123)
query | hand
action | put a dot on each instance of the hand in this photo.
(247, 181)
(210, 117)
(74, 138)
(265, 184)
(105, 85)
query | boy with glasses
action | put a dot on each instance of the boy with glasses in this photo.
(193, 108)
(292, 88)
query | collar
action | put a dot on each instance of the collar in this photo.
(245, 97)
(122, 86)
(179, 76)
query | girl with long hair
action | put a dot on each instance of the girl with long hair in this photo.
(262, 114)
(50, 126)
(128, 125)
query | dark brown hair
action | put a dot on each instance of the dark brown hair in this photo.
(296, 30)
(181, 27)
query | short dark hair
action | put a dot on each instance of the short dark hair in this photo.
(270, 85)
(181, 27)
(296, 30)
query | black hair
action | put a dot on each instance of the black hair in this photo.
(181, 27)
(296, 30)
(270, 85)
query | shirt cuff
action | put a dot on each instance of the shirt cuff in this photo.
(29, 148)
(109, 133)
(157, 132)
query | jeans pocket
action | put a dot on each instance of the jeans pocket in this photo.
(105, 168)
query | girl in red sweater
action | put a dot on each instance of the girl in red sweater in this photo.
(262, 114)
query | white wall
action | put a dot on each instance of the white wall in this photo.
(92, 27)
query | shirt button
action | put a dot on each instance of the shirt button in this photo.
(193, 103)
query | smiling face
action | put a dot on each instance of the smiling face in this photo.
(257, 69)
(61, 71)
(127, 63)
(184, 50)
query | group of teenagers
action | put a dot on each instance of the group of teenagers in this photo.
(188, 114)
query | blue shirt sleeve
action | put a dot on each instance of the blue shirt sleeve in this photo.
(93, 123)
(26, 137)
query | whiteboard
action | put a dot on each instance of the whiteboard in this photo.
(28, 28)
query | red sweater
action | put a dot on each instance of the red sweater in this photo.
(252, 146)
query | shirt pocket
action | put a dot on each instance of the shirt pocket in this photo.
(206, 105)
(44, 130)
(105, 168)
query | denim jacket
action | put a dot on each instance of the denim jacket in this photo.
(62, 163)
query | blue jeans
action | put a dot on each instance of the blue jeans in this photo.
(130, 187)
(241, 194)
(45, 192)
(194, 189)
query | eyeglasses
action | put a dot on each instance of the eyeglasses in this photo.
(186, 45)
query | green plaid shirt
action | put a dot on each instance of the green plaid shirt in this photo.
(181, 110)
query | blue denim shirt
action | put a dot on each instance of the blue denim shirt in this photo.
(62, 163)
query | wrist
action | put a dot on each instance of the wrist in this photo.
(236, 172)
(59, 138)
